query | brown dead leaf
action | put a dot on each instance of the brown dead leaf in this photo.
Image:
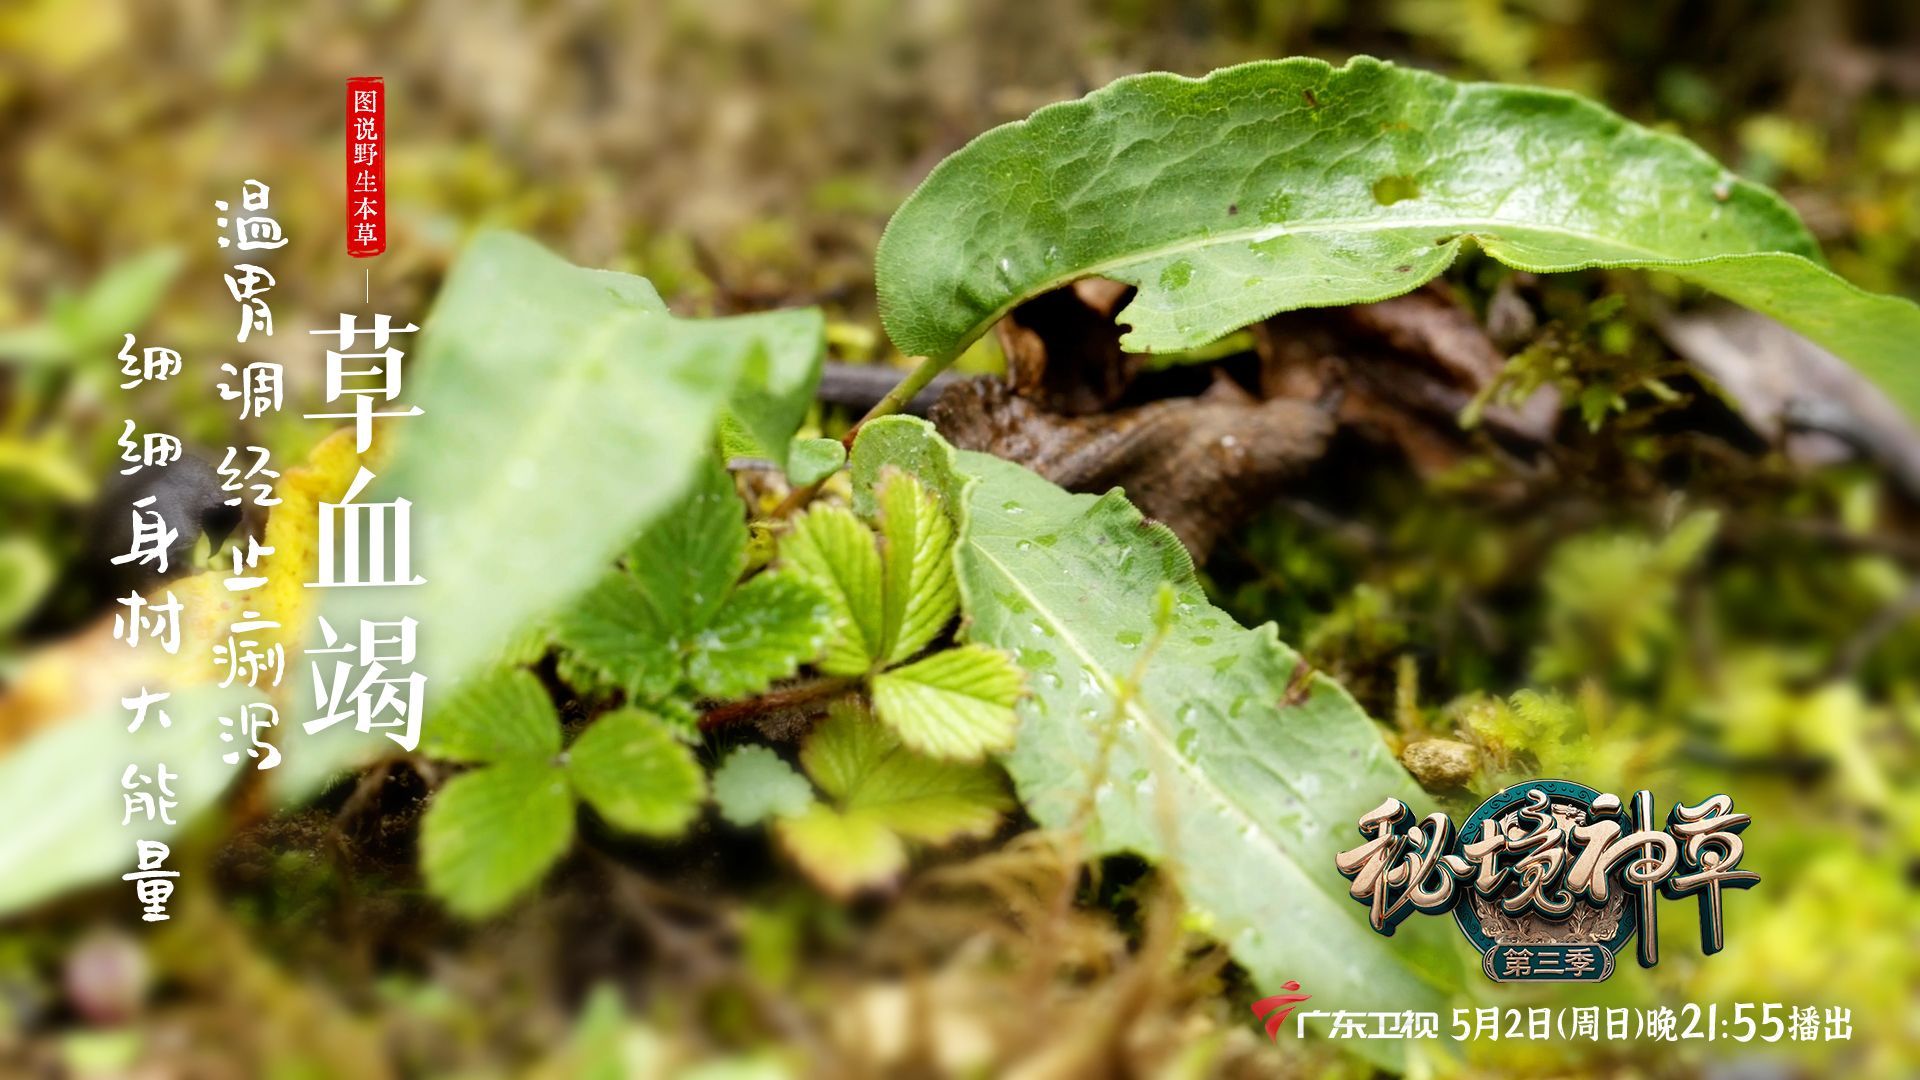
(1198, 464)
(1403, 369)
(1793, 393)
(1063, 348)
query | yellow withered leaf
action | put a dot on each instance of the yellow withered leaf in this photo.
(92, 670)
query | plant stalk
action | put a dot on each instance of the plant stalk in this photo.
(786, 698)
(903, 392)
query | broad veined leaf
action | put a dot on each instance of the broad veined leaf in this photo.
(630, 768)
(502, 715)
(882, 794)
(754, 784)
(866, 770)
(1286, 184)
(843, 852)
(835, 551)
(563, 410)
(957, 703)
(491, 833)
(767, 629)
(1233, 764)
(916, 539)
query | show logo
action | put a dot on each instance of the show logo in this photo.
(1550, 879)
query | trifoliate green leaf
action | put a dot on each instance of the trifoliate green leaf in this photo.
(630, 768)
(866, 770)
(585, 679)
(931, 801)
(672, 614)
(687, 561)
(916, 540)
(614, 630)
(813, 460)
(681, 717)
(527, 645)
(843, 853)
(491, 833)
(844, 748)
(754, 784)
(765, 631)
(496, 716)
(955, 704)
(833, 549)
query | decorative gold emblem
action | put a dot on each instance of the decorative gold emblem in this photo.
(1549, 879)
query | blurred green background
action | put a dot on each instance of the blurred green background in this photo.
(1669, 622)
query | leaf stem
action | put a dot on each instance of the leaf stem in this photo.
(784, 698)
(903, 392)
(928, 369)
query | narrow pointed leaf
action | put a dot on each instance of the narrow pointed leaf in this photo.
(956, 704)
(835, 550)
(916, 540)
(498, 716)
(630, 768)
(1240, 770)
(492, 833)
(1286, 184)
(768, 628)
(754, 784)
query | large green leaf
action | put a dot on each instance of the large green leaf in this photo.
(1287, 184)
(563, 410)
(1237, 768)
